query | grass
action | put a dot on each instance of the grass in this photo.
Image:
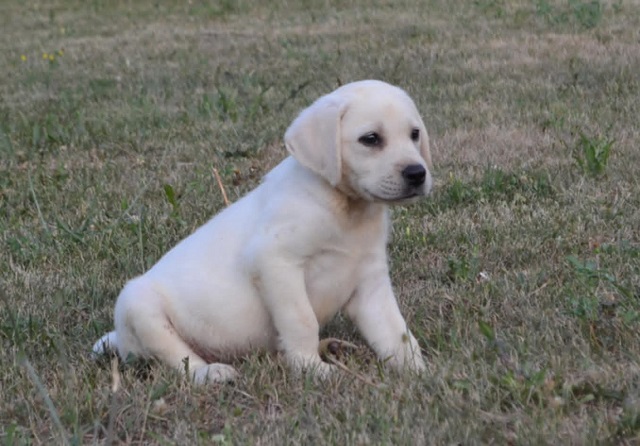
(519, 276)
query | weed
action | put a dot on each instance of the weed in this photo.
(495, 185)
(493, 8)
(591, 153)
(172, 199)
(463, 269)
(587, 14)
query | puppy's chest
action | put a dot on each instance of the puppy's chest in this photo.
(331, 278)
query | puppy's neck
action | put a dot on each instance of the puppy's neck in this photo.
(349, 208)
(354, 209)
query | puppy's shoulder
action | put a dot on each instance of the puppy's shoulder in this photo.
(290, 184)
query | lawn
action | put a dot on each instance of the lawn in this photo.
(520, 275)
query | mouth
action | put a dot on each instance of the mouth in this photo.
(410, 196)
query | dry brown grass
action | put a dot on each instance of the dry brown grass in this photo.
(519, 276)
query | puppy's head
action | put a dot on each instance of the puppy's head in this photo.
(366, 139)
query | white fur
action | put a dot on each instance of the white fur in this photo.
(267, 272)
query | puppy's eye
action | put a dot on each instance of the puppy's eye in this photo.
(415, 135)
(371, 139)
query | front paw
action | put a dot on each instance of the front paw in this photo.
(214, 373)
(416, 363)
(312, 365)
(405, 363)
(408, 356)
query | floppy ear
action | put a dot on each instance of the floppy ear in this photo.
(425, 150)
(314, 139)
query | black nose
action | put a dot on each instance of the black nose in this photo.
(414, 174)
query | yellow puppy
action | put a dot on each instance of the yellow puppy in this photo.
(268, 271)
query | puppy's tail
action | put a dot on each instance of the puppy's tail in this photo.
(106, 345)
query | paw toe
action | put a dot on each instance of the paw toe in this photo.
(214, 373)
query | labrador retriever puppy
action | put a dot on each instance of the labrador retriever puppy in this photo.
(268, 271)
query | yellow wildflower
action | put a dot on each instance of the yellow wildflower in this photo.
(45, 56)
(23, 58)
(61, 52)
(51, 57)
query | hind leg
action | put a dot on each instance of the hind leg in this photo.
(143, 329)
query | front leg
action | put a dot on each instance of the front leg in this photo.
(374, 310)
(280, 281)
